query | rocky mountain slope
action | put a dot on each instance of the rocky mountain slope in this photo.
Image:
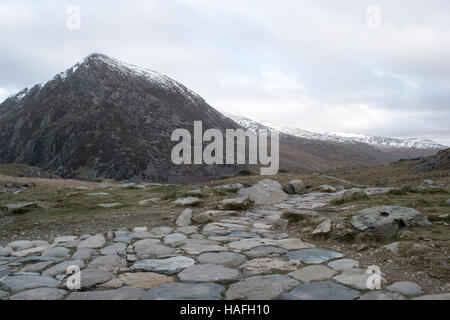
(104, 118)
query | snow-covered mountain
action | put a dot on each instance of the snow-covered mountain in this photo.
(375, 141)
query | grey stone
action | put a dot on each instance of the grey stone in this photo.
(161, 231)
(61, 268)
(20, 207)
(227, 259)
(40, 294)
(3, 294)
(39, 259)
(406, 288)
(188, 201)
(343, 264)
(381, 295)
(154, 251)
(195, 249)
(94, 242)
(5, 251)
(124, 293)
(175, 239)
(268, 265)
(239, 204)
(110, 263)
(355, 278)
(19, 283)
(314, 256)
(167, 266)
(185, 291)
(244, 235)
(92, 277)
(385, 221)
(323, 228)
(64, 239)
(83, 254)
(209, 272)
(109, 205)
(184, 219)
(324, 290)
(313, 273)
(264, 251)
(260, 287)
(59, 252)
(118, 248)
(37, 267)
(187, 230)
(264, 192)
(21, 245)
(294, 187)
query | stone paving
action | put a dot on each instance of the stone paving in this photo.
(232, 255)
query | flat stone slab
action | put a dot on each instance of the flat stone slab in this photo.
(94, 242)
(110, 263)
(247, 244)
(313, 273)
(261, 266)
(93, 277)
(355, 278)
(118, 248)
(161, 231)
(144, 280)
(264, 192)
(166, 266)
(59, 252)
(227, 259)
(314, 256)
(18, 283)
(18, 207)
(188, 201)
(83, 254)
(406, 288)
(61, 268)
(260, 287)
(292, 244)
(195, 249)
(185, 291)
(124, 293)
(209, 273)
(343, 264)
(3, 294)
(325, 290)
(40, 294)
(109, 205)
(37, 267)
(154, 251)
(174, 239)
(264, 251)
(20, 245)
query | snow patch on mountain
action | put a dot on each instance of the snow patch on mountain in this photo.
(340, 137)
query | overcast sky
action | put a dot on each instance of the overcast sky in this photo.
(317, 65)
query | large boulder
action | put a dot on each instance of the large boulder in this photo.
(264, 192)
(294, 187)
(385, 221)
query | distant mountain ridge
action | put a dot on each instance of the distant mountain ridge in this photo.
(375, 141)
